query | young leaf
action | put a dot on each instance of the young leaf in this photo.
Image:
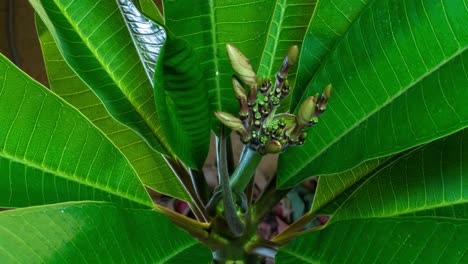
(94, 41)
(94, 232)
(182, 102)
(330, 21)
(399, 83)
(181, 98)
(50, 152)
(382, 240)
(208, 26)
(147, 163)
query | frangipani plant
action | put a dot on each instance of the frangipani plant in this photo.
(134, 96)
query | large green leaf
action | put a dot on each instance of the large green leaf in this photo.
(330, 188)
(411, 207)
(428, 178)
(399, 82)
(331, 20)
(50, 152)
(382, 240)
(94, 41)
(94, 232)
(148, 164)
(208, 26)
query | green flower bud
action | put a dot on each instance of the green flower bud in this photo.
(322, 102)
(306, 112)
(293, 54)
(241, 97)
(241, 66)
(272, 147)
(233, 123)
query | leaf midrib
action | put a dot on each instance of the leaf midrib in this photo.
(215, 59)
(366, 117)
(68, 177)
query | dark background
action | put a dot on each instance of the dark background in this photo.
(28, 50)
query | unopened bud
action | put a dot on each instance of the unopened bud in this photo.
(322, 102)
(241, 66)
(233, 123)
(241, 96)
(306, 112)
(293, 54)
(272, 147)
(289, 60)
(238, 89)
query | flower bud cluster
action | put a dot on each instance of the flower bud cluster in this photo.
(258, 125)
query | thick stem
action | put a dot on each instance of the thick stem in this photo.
(230, 154)
(233, 221)
(245, 170)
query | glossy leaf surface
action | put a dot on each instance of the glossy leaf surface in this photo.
(382, 240)
(331, 20)
(398, 82)
(50, 152)
(429, 178)
(414, 208)
(148, 37)
(182, 102)
(330, 188)
(147, 163)
(95, 42)
(208, 26)
(93, 232)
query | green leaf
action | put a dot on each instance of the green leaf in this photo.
(399, 82)
(423, 180)
(208, 26)
(287, 28)
(94, 232)
(330, 21)
(148, 164)
(49, 152)
(382, 240)
(182, 102)
(330, 188)
(94, 41)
